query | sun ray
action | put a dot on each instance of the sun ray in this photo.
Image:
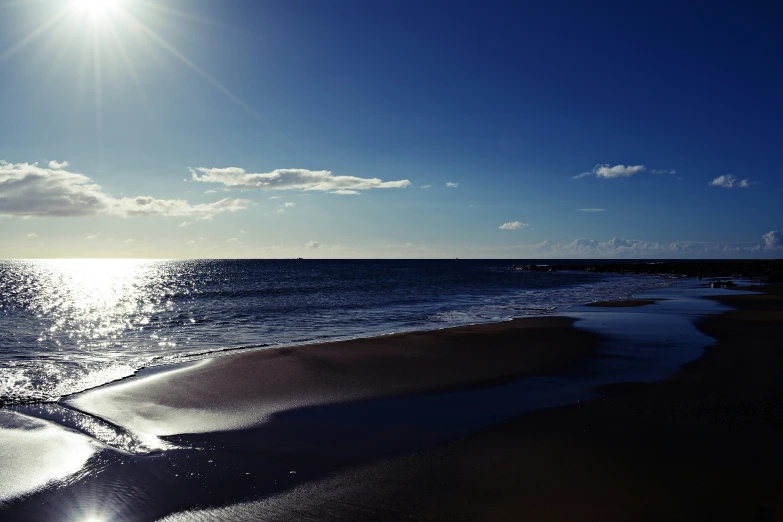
(131, 70)
(196, 69)
(34, 35)
(170, 11)
(69, 31)
(84, 68)
(101, 29)
(98, 84)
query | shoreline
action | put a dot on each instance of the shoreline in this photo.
(224, 393)
(160, 364)
(702, 444)
(247, 451)
(289, 427)
(387, 348)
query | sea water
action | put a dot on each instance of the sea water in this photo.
(70, 325)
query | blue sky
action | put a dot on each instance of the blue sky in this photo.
(316, 125)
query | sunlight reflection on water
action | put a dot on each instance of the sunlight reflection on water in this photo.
(71, 309)
(70, 325)
(93, 299)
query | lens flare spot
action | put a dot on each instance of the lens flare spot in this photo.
(96, 8)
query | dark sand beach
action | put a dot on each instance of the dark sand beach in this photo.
(700, 445)
(703, 444)
(245, 422)
(242, 390)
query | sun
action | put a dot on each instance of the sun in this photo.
(110, 37)
(96, 9)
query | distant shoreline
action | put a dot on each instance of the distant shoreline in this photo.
(760, 270)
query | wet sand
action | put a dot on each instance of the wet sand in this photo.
(245, 422)
(243, 390)
(703, 444)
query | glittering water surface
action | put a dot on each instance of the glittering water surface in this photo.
(68, 325)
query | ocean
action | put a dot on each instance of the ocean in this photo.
(70, 325)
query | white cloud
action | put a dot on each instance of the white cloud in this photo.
(426, 186)
(632, 248)
(242, 232)
(664, 171)
(291, 179)
(773, 240)
(148, 206)
(29, 190)
(313, 244)
(513, 225)
(591, 209)
(284, 206)
(31, 234)
(130, 240)
(729, 181)
(210, 191)
(451, 184)
(93, 236)
(57, 165)
(233, 240)
(583, 245)
(346, 192)
(607, 172)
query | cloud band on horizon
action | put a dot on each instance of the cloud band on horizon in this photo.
(631, 248)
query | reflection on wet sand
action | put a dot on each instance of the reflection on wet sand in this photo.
(301, 442)
(35, 453)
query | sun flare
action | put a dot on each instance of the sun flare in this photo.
(96, 9)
